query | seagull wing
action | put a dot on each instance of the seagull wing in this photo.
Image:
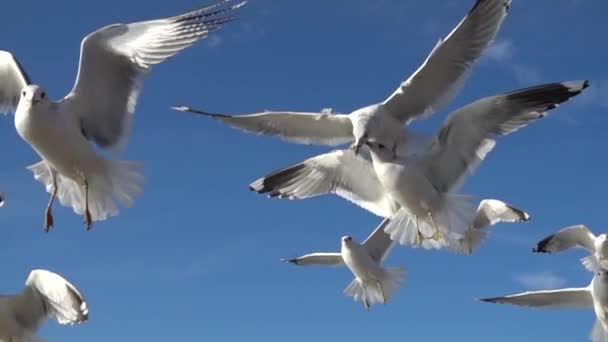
(48, 295)
(114, 59)
(446, 68)
(491, 212)
(12, 80)
(468, 134)
(569, 237)
(333, 259)
(379, 244)
(339, 172)
(570, 298)
(299, 127)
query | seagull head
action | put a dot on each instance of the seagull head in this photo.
(346, 239)
(602, 273)
(383, 149)
(33, 94)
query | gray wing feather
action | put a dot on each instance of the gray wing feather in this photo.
(449, 63)
(468, 134)
(13, 79)
(114, 59)
(568, 298)
(569, 237)
(379, 244)
(299, 127)
(319, 258)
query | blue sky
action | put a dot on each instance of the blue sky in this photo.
(197, 257)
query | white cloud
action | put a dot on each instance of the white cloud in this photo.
(541, 281)
(500, 50)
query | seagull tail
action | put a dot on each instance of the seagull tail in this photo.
(591, 264)
(598, 333)
(117, 181)
(377, 293)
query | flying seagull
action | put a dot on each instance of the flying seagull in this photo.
(424, 182)
(578, 236)
(433, 84)
(593, 296)
(352, 177)
(46, 296)
(373, 283)
(98, 109)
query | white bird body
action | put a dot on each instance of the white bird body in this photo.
(599, 292)
(56, 137)
(358, 260)
(373, 283)
(98, 109)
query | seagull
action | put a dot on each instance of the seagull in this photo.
(373, 283)
(593, 296)
(423, 183)
(578, 236)
(352, 177)
(46, 295)
(98, 109)
(432, 85)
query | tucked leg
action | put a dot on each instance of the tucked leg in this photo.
(88, 222)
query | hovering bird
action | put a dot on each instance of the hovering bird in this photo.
(98, 109)
(423, 183)
(432, 85)
(578, 236)
(352, 177)
(373, 283)
(593, 296)
(46, 296)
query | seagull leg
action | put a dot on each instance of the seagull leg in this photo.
(48, 215)
(365, 302)
(88, 222)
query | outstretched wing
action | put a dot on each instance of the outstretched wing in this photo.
(468, 133)
(114, 59)
(323, 128)
(491, 211)
(379, 244)
(317, 259)
(12, 80)
(569, 298)
(341, 172)
(569, 237)
(48, 295)
(446, 68)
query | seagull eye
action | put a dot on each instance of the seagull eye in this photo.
(23, 93)
(381, 146)
(42, 95)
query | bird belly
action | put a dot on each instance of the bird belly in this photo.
(361, 264)
(60, 145)
(410, 188)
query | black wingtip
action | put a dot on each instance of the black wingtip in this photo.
(541, 246)
(291, 261)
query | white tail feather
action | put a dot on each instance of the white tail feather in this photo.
(118, 181)
(591, 264)
(598, 334)
(370, 293)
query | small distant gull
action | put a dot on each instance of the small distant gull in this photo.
(98, 109)
(432, 85)
(352, 177)
(593, 296)
(373, 283)
(423, 183)
(578, 236)
(46, 296)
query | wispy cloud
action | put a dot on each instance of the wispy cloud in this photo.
(541, 280)
(504, 52)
